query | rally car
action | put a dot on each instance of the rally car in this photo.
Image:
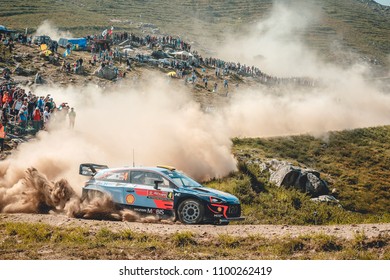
(161, 191)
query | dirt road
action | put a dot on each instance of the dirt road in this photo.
(268, 231)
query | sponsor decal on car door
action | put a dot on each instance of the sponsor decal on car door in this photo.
(163, 197)
(141, 192)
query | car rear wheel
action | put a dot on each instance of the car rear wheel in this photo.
(190, 211)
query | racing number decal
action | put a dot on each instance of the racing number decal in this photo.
(130, 199)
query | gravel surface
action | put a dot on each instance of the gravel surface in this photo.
(268, 231)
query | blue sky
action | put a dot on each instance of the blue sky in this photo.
(383, 2)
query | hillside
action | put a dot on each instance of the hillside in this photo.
(360, 27)
(354, 162)
(153, 112)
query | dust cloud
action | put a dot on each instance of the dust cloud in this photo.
(344, 97)
(163, 125)
(34, 193)
(49, 29)
(160, 123)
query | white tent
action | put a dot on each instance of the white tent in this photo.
(182, 54)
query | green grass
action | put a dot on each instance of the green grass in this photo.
(39, 241)
(354, 162)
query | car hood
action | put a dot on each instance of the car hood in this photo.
(203, 191)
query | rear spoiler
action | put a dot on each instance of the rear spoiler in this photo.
(90, 169)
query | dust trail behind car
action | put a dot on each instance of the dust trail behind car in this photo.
(35, 194)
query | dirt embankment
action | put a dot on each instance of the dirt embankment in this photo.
(267, 231)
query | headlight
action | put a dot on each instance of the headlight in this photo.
(216, 200)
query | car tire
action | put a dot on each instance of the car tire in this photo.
(190, 211)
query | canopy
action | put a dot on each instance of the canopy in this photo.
(80, 43)
(46, 52)
(4, 29)
(43, 47)
(172, 74)
(182, 54)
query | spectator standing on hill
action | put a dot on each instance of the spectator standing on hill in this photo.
(49, 103)
(17, 106)
(23, 117)
(30, 107)
(215, 87)
(225, 83)
(41, 104)
(46, 117)
(2, 136)
(226, 86)
(5, 112)
(37, 118)
(72, 117)
(205, 82)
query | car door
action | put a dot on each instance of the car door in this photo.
(141, 192)
(113, 182)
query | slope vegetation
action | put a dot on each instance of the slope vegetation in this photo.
(355, 163)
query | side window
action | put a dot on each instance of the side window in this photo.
(137, 177)
(147, 178)
(114, 176)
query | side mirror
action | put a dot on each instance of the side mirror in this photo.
(156, 182)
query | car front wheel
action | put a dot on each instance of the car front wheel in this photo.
(190, 211)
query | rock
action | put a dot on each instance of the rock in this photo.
(325, 198)
(306, 180)
(38, 79)
(106, 73)
(148, 25)
(24, 72)
(80, 70)
(309, 181)
(17, 58)
(285, 175)
(263, 167)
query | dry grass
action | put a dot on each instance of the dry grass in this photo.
(39, 241)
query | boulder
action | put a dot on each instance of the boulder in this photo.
(285, 175)
(311, 183)
(106, 73)
(306, 180)
(24, 72)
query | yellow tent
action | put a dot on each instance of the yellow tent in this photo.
(43, 47)
(172, 74)
(48, 52)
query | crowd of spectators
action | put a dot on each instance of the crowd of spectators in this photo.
(152, 41)
(22, 112)
(222, 68)
(110, 50)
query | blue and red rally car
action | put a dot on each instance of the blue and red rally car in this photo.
(161, 191)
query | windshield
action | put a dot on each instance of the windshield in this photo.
(181, 180)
